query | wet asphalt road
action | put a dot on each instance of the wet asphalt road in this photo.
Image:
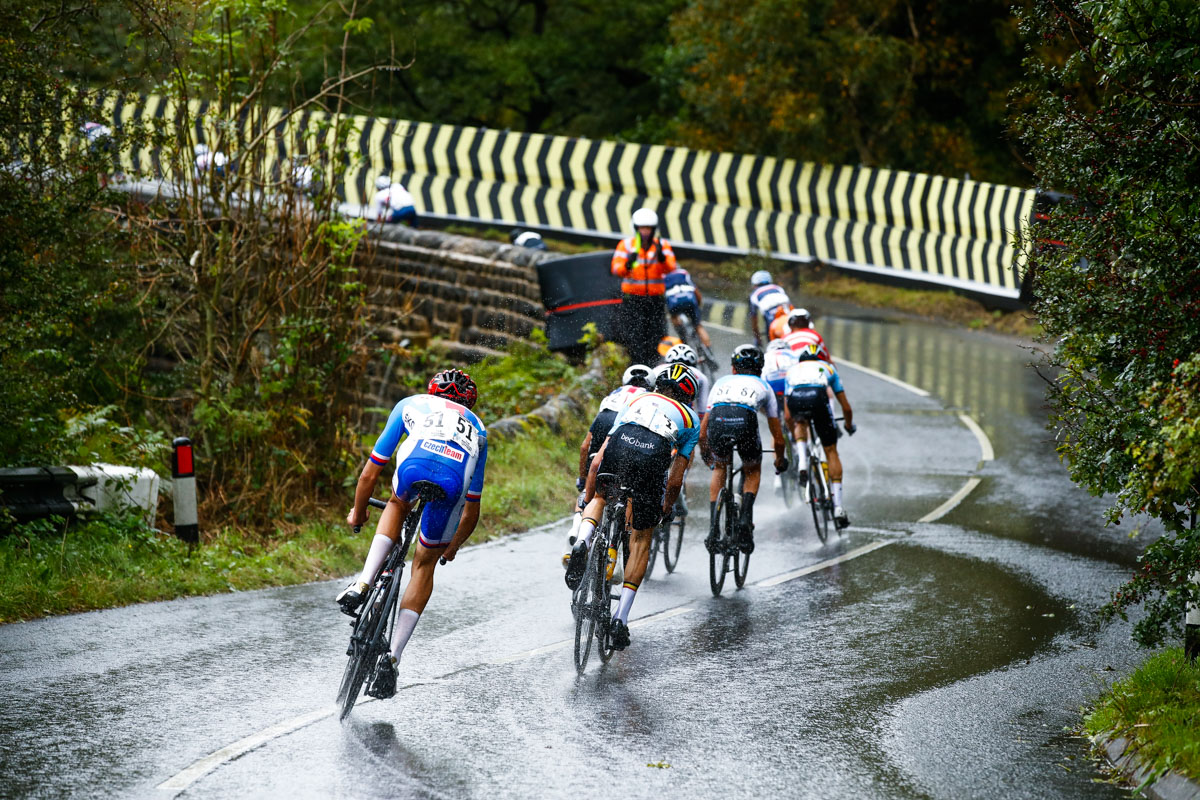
(944, 665)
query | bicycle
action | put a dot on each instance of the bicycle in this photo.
(375, 619)
(816, 483)
(591, 602)
(726, 547)
(665, 540)
(686, 329)
(792, 480)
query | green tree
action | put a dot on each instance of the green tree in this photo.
(918, 86)
(1115, 121)
(67, 287)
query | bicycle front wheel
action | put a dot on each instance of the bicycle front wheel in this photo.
(583, 605)
(672, 542)
(788, 479)
(741, 565)
(364, 648)
(657, 537)
(604, 607)
(817, 498)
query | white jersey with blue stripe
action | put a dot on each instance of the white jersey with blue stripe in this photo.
(776, 364)
(438, 427)
(766, 299)
(747, 391)
(813, 372)
(668, 418)
(620, 397)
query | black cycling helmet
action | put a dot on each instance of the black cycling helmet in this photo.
(810, 352)
(747, 360)
(454, 384)
(677, 382)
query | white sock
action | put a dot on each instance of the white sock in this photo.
(586, 529)
(576, 521)
(837, 493)
(627, 594)
(380, 547)
(802, 456)
(406, 621)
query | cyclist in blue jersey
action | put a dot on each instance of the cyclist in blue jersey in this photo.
(445, 444)
(811, 386)
(767, 301)
(732, 421)
(778, 359)
(651, 440)
(684, 298)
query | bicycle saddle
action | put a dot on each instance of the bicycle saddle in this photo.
(428, 491)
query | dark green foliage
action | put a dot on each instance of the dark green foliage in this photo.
(66, 290)
(1121, 303)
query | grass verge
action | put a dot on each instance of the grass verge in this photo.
(56, 567)
(1157, 708)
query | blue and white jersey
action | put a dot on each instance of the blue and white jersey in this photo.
(680, 290)
(620, 397)
(747, 391)
(813, 372)
(765, 299)
(668, 418)
(438, 429)
(776, 363)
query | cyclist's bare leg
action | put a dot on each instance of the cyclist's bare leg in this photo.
(716, 482)
(420, 581)
(635, 570)
(835, 463)
(591, 518)
(753, 475)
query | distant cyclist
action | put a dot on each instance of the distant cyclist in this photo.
(634, 382)
(802, 334)
(649, 446)
(778, 359)
(686, 354)
(732, 423)
(444, 443)
(392, 203)
(767, 302)
(811, 386)
(779, 326)
(684, 298)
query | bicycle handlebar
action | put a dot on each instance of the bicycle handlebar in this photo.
(371, 501)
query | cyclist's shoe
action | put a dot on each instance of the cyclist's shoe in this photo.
(566, 556)
(576, 565)
(746, 537)
(352, 597)
(840, 519)
(383, 685)
(712, 542)
(618, 632)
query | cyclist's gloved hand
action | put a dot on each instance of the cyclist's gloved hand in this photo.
(851, 429)
(781, 465)
(668, 516)
(579, 484)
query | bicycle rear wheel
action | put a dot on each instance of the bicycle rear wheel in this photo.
(718, 561)
(657, 537)
(604, 607)
(741, 565)
(817, 498)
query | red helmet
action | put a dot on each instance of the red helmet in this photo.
(454, 384)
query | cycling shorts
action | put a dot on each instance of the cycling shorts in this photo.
(777, 385)
(812, 402)
(640, 459)
(684, 306)
(601, 425)
(439, 523)
(732, 426)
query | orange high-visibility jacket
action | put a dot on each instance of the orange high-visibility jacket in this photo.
(643, 274)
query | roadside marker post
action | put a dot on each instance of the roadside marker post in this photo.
(183, 470)
(1191, 624)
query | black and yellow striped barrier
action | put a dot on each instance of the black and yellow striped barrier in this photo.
(921, 227)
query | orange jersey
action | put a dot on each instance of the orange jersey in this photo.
(779, 328)
(641, 269)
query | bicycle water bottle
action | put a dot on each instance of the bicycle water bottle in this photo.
(616, 570)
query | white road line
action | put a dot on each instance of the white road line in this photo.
(985, 444)
(727, 328)
(883, 377)
(848, 555)
(948, 506)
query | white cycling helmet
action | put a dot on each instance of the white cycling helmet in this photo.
(797, 314)
(636, 375)
(682, 354)
(760, 278)
(777, 344)
(645, 218)
(383, 182)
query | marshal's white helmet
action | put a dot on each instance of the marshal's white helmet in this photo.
(383, 182)
(645, 218)
(682, 354)
(760, 278)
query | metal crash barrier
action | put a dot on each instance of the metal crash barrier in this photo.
(30, 493)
